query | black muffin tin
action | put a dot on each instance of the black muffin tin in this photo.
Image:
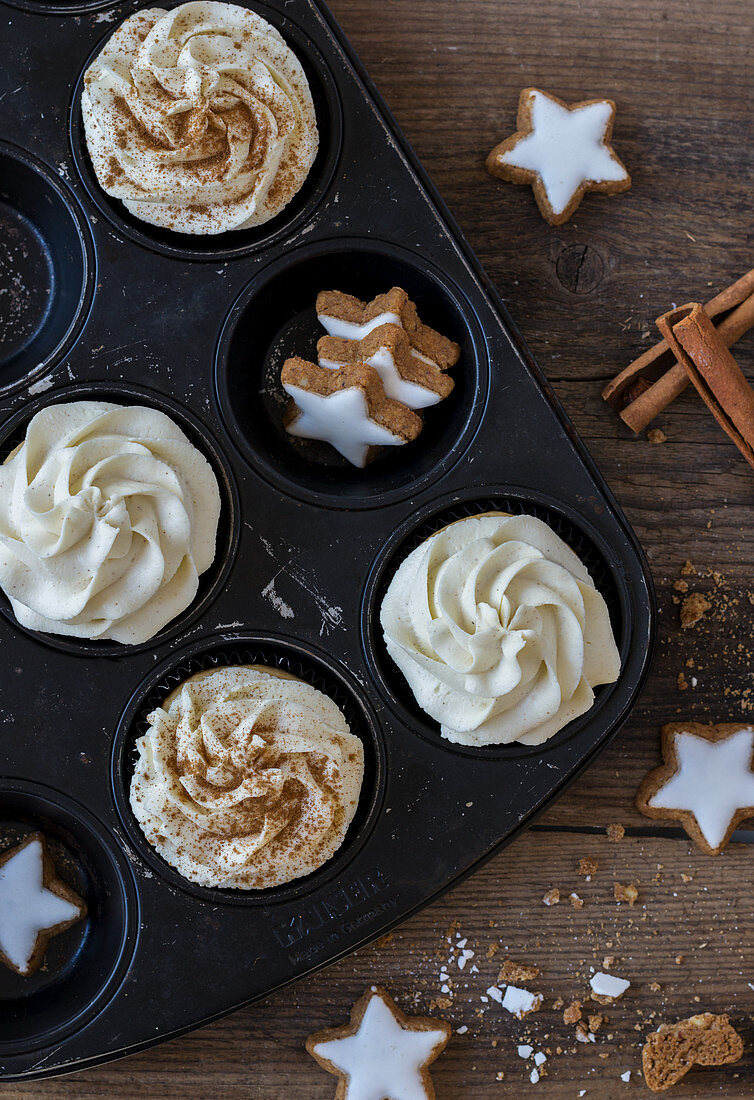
(100, 305)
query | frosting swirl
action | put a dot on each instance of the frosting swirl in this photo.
(246, 778)
(499, 630)
(108, 515)
(200, 119)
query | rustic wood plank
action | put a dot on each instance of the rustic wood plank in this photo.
(584, 296)
(260, 1053)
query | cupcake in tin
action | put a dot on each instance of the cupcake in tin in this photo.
(499, 630)
(199, 119)
(246, 778)
(108, 516)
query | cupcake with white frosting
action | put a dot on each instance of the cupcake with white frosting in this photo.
(108, 517)
(247, 778)
(199, 119)
(499, 630)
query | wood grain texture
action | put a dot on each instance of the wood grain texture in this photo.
(584, 296)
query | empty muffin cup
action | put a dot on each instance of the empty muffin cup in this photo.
(46, 268)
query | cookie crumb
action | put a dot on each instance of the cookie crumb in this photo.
(576, 901)
(552, 897)
(627, 893)
(687, 569)
(587, 866)
(656, 435)
(615, 832)
(693, 608)
(512, 972)
(572, 1014)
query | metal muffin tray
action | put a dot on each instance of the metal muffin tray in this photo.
(105, 306)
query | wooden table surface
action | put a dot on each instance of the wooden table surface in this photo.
(585, 297)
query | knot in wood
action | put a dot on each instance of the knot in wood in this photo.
(580, 268)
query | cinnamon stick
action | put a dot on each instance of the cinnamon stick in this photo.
(647, 369)
(649, 404)
(702, 354)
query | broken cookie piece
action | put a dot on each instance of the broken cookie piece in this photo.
(703, 1040)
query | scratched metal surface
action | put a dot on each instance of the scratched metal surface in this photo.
(304, 575)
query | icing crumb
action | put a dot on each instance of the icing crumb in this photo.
(606, 985)
(520, 1002)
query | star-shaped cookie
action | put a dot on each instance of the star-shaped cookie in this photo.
(415, 383)
(381, 1054)
(563, 150)
(347, 408)
(348, 318)
(35, 905)
(706, 782)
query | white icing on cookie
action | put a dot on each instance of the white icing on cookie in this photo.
(408, 393)
(382, 1059)
(566, 148)
(27, 907)
(340, 419)
(712, 782)
(349, 330)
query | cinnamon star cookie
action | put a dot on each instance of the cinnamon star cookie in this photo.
(563, 150)
(415, 383)
(706, 782)
(347, 408)
(381, 1053)
(35, 905)
(349, 318)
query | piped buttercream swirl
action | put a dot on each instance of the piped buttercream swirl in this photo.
(499, 630)
(200, 119)
(246, 778)
(108, 516)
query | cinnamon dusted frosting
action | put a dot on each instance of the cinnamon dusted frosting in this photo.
(499, 630)
(246, 778)
(200, 119)
(108, 515)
